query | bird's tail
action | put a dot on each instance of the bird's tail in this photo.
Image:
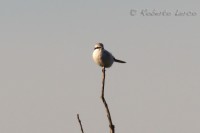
(116, 60)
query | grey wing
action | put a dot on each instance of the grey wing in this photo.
(107, 59)
(106, 55)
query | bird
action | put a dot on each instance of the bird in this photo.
(102, 57)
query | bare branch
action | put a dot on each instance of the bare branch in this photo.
(112, 127)
(80, 123)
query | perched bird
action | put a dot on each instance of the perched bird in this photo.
(102, 57)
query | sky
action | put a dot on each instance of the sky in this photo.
(47, 74)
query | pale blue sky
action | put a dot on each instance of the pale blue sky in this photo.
(47, 74)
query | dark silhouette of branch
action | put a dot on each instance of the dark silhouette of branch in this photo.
(80, 123)
(112, 127)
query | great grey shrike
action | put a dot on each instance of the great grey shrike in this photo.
(102, 57)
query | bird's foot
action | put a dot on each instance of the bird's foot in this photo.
(103, 69)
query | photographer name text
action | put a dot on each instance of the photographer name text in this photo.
(154, 12)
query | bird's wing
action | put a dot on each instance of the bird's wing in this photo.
(106, 54)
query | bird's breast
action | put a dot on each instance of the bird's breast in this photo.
(102, 58)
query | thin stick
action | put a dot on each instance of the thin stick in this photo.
(112, 127)
(80, 123)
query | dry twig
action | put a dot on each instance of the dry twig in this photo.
(112, 127)
(80, 123)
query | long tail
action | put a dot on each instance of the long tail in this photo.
(116, 60)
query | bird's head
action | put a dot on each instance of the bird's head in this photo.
(99, 46)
